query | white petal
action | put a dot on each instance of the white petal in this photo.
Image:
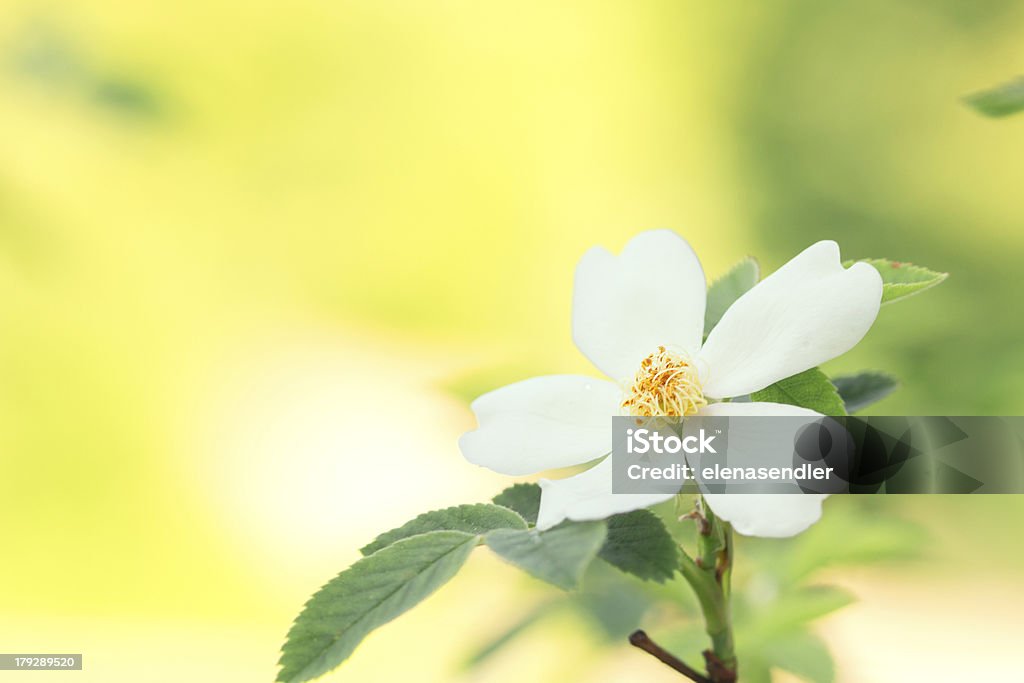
(756, 409)
(768, 515)
(542, 423)
(587, 496)
(625, 306)
(807, 312)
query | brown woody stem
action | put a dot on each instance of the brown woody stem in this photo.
(641, 640)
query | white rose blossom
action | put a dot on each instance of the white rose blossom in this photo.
(639, 318)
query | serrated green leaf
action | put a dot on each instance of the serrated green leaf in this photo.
(724, 291)
(638, 543)
(809, 389)
(803, 654)
(900, 279)
(861, 390)
(1002, 100)
(523, 498)
(370, 593)
(558, 556)
(477, 518)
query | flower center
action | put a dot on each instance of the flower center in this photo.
(667, 384)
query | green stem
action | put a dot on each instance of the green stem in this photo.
(709, 574)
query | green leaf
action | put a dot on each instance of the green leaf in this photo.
(523, 498)
(726, 289)
(900, 279)
(472, 519)
(638, 543)
(688, 639)
(558, 556)
(370, 593)
(615, 608)
(797, 607)
(844, 539)
(756, 671)
(861, 390)
(999, 101)
(809, 389)
(803, 654)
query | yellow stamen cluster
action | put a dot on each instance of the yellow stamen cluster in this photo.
(667, 384)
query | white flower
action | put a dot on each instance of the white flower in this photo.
(639, 318)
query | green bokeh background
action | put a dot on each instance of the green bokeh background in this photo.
(232, 235)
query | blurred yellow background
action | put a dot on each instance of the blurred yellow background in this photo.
(240, 240)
